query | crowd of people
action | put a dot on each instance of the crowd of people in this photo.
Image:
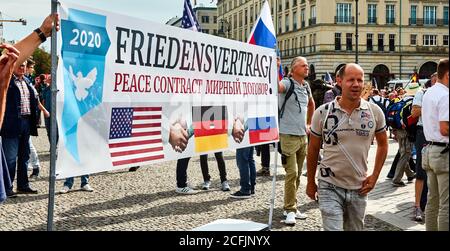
(333, 133)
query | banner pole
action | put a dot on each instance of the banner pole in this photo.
(52, 176)
(274, 179)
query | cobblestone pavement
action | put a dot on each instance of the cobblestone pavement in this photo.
(146, 200)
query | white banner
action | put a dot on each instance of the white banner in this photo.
(134, 92)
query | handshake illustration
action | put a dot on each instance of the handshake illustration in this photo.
(180, 133)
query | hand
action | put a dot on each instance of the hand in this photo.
(308, 129)
(178, 136)
(311, 191)
(50, 21)
(46, 114)
(7, 63)
(368, 184)
(238, 130)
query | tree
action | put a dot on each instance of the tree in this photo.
(43, 61)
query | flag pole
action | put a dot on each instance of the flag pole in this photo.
(52, 176)
(274, 179)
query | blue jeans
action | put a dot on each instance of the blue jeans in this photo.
(341, 209)
(17, 154)
(84, 181)
(247, 169)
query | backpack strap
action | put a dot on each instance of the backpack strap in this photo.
(288, 95)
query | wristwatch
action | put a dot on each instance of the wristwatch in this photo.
(41, 35)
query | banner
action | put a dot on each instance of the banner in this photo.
(132, 92)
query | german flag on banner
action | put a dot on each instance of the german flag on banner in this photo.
(210, 127)
(262, 129)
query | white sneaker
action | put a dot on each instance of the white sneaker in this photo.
(185, 190)
(225, 186)
(87, 188)
(290, 219)
(298, 215)
(206, 185)
(65, 189)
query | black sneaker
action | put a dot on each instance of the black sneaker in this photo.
(418, 214)
(27, 190)
(252, 193)
(133, 169)
(399, 184)
(34, 175)
(410, 179)
(240, 195)
(11, 194)
(263, 172)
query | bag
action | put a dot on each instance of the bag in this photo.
(399, 117)
(394, 113)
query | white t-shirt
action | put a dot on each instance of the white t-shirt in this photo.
(418, 101)
(435, 109)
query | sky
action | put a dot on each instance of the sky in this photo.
(34, 12)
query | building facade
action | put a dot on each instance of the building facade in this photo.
(395, 37)
(206, 16)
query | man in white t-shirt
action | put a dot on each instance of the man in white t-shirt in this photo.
(435, 155)
(347, 127)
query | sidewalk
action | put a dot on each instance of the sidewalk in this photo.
(393, 205)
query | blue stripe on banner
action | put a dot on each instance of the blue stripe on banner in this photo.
(261, 123)
(263, 37)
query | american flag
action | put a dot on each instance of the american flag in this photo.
(189, 21)
(135, 135)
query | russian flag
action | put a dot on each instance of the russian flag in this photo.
(263, 32)
(262, 129)
(280, 73)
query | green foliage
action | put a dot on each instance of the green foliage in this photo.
(43, 61)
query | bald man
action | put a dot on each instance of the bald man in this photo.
(347, 127)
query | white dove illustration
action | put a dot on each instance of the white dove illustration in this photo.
(82, 84)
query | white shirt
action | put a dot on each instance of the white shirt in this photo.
(435, 109)
(418, 101)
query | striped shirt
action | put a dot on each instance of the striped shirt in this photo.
(24, 96)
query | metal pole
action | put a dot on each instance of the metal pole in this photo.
(356, 35)
(274, 182)
(400, 41)
(274, 179)
(52, 176)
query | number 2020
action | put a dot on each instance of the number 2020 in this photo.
(84, 38)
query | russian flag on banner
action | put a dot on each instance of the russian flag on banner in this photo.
(263, 32)
(262, 129)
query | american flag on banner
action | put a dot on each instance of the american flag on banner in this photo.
(189, 20)
(135, 135)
